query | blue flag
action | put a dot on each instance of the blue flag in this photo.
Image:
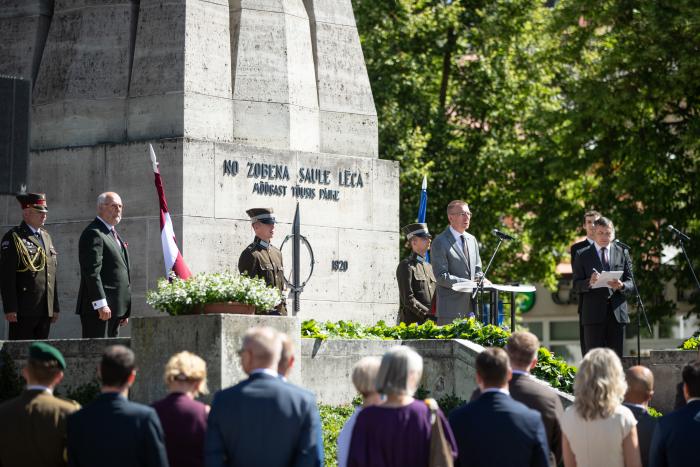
(423, 207)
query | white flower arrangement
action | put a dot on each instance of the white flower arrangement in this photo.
(176, 296)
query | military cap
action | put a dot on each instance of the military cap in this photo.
(263, 215)
(46, 353)
(416, 230)
(36, 201)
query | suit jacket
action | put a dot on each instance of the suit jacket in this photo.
(675, 439)
(451, 266)
(645, 429)
(595, 301)
(496, 430)
(104, 271)
(33, 429)
(416, 289)
(115, 432)
(27, 293)
(575, 248)
(263, 421)
(539, 397)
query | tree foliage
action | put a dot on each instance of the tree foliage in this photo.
(534, 114)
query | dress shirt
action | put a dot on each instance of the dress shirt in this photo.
(38, 387)
(266, 371)
(501, 390)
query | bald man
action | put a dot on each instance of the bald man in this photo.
(640, 390)
(104, 297)
(267, 410)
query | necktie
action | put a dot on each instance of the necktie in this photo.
(465, 249)
(116, 237)
(604, 258)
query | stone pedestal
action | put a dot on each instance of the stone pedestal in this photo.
(216, 338)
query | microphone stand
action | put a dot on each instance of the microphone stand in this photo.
(690, 265)
(641, 310)
(480, 284)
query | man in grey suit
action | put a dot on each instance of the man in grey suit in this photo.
(104, 297)
(455, 258)
(263, 420)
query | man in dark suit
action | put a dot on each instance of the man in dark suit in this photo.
(454, 255)
(640, 389)
(112, 431)
(675, 440)
(33, 427)
(415, 277)
(522, 350)
(496, 430)
(28, 265)
(604, 309)
(589, 219)
(263, 420)
(104, 297)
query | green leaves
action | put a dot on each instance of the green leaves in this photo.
(549, 367)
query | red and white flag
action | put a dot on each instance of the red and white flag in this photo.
(171, 253)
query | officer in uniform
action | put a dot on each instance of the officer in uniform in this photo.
(260, 258)
(415, 277)
(28, 272)
(33, 427)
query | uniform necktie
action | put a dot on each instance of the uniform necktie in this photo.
(604, 258)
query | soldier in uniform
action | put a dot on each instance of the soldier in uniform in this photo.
(415, 277)
(260, 258)
(28, 272)
(33, 428)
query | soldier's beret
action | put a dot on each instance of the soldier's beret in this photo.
(263, 215)
(46, 353)
(416, 230)
(36, 201)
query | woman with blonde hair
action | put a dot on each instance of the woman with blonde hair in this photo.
(598, 430)
(184, 419)
(397, 432)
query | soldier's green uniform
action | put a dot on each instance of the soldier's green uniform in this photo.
(28, 263)
(260, 259)
(416, 282)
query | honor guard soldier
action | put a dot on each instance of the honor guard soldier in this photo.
(415, 277)
(28, 272)
(260, 258)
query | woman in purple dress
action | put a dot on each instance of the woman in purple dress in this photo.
(396, 433)
(184, 419)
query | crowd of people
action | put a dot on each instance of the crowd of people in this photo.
(512, 419)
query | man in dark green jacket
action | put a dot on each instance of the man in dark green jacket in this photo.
(104, 297)
(28, 273)
(415, 277)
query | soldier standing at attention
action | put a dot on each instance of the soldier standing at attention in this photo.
(260, 258)
(28, 273)
(415, 277)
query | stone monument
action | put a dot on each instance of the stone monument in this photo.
(248, 103)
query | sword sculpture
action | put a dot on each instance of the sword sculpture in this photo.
(296, 285)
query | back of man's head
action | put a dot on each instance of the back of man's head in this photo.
(493, 367)
(264, 346)
(116, 366)
(522, 349)
(691, 379)
(640, 385)
(284, 367)
(42, 373)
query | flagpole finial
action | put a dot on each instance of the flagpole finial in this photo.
(424, 186)
(152, 154)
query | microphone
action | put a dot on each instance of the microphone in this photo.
(502, 235)
(677, 232)
(623, 245)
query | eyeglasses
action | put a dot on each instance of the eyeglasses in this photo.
(461, 213)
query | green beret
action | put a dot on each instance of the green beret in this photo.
(45, 353)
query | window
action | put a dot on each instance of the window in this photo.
(563, 331)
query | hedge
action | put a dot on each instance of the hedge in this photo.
(692, 343)
(549, 367)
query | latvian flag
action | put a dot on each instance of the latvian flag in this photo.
(171, 254)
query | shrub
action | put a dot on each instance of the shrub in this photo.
(549, 367)
(692, 343)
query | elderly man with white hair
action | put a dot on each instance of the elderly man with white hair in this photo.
(263, 420)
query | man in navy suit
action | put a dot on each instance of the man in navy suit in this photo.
(675, 440)
(640, 390)
(604, 309)
(112, 431)
(496, 430)
(263, 420)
